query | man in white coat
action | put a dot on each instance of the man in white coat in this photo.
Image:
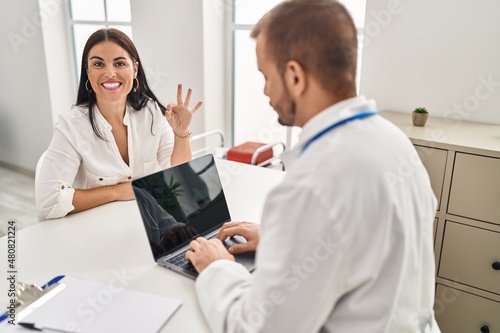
(345, 243)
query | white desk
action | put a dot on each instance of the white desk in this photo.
(108, 244)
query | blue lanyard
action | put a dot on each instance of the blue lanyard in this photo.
(360, 115)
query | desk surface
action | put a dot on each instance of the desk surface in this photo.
(108, 244)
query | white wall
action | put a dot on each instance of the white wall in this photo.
(25, 110)
(168, 38)
(169, 35)
(436, 54)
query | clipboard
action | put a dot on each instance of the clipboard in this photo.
(26, 295)
(67, 304)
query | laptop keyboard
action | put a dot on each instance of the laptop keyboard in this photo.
(181, 261)
(233, 241)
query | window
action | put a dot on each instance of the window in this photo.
(87, 16)
(253, 117)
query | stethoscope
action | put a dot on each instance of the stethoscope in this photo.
(360, 115)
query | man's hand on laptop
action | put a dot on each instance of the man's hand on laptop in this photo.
(250, 231)
(203, 252)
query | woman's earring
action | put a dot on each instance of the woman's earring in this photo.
(86, 86)
(135, 88)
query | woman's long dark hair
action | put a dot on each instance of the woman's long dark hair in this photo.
(137, 99)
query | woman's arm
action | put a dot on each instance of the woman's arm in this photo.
(90, 198)
(182, 150)
(58, 169)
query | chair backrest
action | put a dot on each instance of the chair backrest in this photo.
(200, 145)
(269, 162)
(38, 167)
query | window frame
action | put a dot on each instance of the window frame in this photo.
(71, 25)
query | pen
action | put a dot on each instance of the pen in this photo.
(32, 326)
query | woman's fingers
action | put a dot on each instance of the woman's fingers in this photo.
(187, 101)
(188, 97)
(179, 94)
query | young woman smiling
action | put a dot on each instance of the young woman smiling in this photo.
(117, 131)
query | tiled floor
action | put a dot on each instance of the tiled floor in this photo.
(17, 199)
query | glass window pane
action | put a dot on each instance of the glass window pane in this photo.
(82, 32)
(250, 11)
(254, 118)
(87, 10)
(118, 10)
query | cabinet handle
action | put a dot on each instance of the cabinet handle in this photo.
(496, 266)
(485, 329)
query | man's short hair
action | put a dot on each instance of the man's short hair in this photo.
(319, 34)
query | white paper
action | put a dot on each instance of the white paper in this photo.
(90, 307)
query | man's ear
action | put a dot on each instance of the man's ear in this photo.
(295, 78)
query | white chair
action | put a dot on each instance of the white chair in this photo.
(269, 162)
(38, 166)
(37, 172)
(211, 148)
(220, 151)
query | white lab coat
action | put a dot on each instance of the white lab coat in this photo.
(77, 159)
(346, 239)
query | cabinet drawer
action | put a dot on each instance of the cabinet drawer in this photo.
(458, 311)
(434, 161)
(468, 256)
(475, 188)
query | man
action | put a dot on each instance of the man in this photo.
(346, 240)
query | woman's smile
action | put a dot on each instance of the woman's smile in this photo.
(111, 85)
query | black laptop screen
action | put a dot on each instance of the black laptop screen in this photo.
(181, 202)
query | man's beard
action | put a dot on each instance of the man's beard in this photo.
(289, 109)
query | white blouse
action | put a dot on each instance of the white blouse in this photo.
(77, 159)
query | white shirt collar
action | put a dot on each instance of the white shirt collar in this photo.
(332, 114)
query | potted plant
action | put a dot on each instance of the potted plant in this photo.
(419, 116)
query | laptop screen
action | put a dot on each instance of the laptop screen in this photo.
(181, 202)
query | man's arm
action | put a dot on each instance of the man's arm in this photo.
(297, 280)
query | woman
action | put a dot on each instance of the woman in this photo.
(116, 132)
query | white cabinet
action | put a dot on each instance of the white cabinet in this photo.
(475, 188)
(459, 311)
(471, 255)
(434, 161)
(463, 162)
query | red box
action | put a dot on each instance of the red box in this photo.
(243, 153)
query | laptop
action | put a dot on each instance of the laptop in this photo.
(179, 204)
